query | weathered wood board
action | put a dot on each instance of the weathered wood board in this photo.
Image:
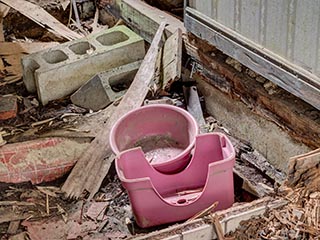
(43, 18)
(171, 60)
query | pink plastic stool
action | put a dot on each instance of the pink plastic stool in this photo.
(166, 134)
(159, 198)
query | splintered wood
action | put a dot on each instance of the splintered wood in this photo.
(304, 171)
(300, 218)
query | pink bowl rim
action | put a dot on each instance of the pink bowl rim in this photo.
(183, 112)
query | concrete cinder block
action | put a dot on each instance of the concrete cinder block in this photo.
(59, 71)
(98, 92)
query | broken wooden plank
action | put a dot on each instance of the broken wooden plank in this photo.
(20, 236)
(145, 19)
(12, 48)
(15, 67)
(259, 161)
(229, 220)
(96, 160)
(171, 60)
(4, 9)
(43, 18)
(255, 188)
(158, 75)
(304, 171)
(8, 215)
(13, 227)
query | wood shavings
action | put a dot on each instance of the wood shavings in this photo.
(300, 218)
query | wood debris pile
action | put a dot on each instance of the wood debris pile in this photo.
(300, 218)
(23, 202)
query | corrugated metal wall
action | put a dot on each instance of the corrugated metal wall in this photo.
(288, 28)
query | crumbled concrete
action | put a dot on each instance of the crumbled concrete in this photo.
(57, 72)
(98, 93)
(8, 107)
(234, 63)
(274, 143)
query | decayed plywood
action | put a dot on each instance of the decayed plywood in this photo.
(43, 18)
(304, 171)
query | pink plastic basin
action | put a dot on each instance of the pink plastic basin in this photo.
(165, 133)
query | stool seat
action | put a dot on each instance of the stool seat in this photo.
(158, 198)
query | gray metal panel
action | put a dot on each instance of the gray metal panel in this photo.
(276, 27)
(288, 28)
(226, 8)
(306, 34)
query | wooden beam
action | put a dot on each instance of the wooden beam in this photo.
(13, 227)
(145, 19)
(92, 167)
(291, 78)
(43, 18)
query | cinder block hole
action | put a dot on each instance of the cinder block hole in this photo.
(112, 38)
(122, 81)
(81, 48)
(54, 56)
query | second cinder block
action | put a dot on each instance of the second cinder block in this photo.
(99, 91)
(59, 71)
